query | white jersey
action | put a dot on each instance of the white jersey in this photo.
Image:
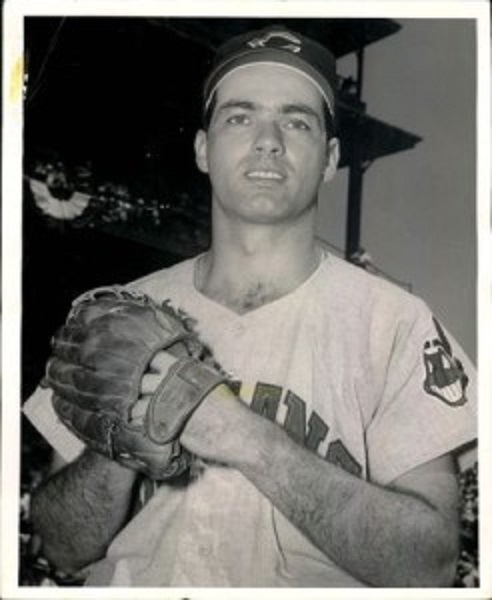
(354, 369)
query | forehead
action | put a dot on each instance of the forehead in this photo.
(269, 84)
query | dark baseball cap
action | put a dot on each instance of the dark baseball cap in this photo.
(276, 45)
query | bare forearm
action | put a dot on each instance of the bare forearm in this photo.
(80, 509)
(383, 537)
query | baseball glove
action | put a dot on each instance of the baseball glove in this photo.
(99, 358)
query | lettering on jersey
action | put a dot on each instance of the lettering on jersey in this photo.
(307, 432)
(445, 377)
(340, 456)
(266, 400)
(317, 432)
(295, 421)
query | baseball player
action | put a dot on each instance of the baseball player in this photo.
(263, 414)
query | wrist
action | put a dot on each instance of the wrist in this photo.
(245, 437)
(116, 475)
(217, 429)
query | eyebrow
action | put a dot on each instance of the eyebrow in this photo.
(244, 104)
(301, 108)
(285, 109)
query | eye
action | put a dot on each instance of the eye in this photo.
(239, 119)
(297, 123)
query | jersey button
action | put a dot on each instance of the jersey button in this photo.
(204, 550)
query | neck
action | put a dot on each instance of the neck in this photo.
(249, 266)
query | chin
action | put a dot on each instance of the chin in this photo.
(264, 207)
(269, 218)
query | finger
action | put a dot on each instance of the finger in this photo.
(96, 333)
(63, 333)
(162, 362)
(139, 409)
(150, 383)
(69, 334)
(66, 344)
(85, 386)
(96, 349)
(184, 348)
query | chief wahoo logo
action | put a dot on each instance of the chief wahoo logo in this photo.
(445, 377)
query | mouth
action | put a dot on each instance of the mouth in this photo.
(264, 175)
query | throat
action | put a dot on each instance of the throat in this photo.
(242, 288)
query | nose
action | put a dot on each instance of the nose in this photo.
(269, 139)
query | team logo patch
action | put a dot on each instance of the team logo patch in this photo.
(445, 377)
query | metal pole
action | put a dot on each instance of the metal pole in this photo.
(356, 173)
(354, 209)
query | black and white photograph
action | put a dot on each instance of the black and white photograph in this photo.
(243, 279)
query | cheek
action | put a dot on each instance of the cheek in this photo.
(224, 154)
(312, 164)
(221, 171)
(308, 148)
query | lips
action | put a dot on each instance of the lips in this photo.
(264, 175)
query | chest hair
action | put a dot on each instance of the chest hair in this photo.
(248, 298)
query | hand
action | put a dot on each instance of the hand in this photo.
(100, 356)
(158, 369)
(211, 431)
(214, 430)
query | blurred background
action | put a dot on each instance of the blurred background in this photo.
(111, 192)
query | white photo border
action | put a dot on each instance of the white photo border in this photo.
(13, 16)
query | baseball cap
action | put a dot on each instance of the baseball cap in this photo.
(277, 45)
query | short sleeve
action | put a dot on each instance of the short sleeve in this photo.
(41, 414)
(429, 402)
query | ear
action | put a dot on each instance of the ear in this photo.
(333, 156)
(201, 156)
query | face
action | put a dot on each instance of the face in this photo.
(266, 150)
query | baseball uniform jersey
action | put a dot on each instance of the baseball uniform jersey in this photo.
(354, 369)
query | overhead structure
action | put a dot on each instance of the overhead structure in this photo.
(125, 92)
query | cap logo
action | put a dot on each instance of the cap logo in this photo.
(277, 39)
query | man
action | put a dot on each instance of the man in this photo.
(333, 461)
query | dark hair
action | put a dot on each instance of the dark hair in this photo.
(329, 121)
